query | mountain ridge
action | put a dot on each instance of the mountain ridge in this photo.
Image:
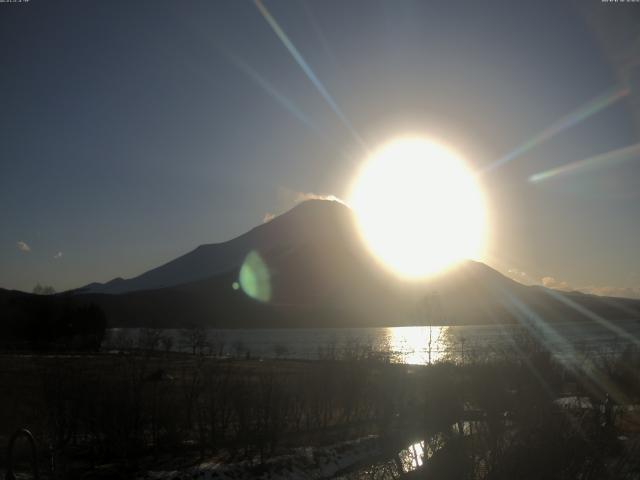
(316, 272)
(215, 258)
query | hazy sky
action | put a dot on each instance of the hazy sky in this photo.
(134, 131)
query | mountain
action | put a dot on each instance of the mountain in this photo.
(309, 268)
(311, 222)
(318, 273)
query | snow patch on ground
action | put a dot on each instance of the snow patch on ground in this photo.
(303, 462)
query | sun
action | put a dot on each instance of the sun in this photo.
(418, 207)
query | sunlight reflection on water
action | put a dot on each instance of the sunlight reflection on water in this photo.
(412, 345)
(418, 345)
(412, 457)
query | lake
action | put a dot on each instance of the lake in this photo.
(411, 345)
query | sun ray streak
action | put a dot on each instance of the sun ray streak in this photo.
(592, 377)
(592, 163)
(547, 388)
(306, 68)
(508, 334)
(539, 376)
(592, 316)
(284, 101)
(319, 33)
(587, 110)
(562, 298)
(540, 329)
(553, 341)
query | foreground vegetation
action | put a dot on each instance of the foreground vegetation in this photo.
(521, 414)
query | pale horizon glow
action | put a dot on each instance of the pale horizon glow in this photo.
(418, 208)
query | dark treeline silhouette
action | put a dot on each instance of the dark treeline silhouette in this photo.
(44, 289)
(47, 322)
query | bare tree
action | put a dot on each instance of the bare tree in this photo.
(149, 339)
(195, 339)
(44, 289)
(167, 343)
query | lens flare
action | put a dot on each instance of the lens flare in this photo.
(254, 278)
(585, 111)
(611, 158)
(308, 71)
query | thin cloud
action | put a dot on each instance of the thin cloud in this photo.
(601, 290)
(551, 282)
(58, 255)
(23, 247)
(302, 196)
(288, 198)
(268, 217)
(516, 274)
(625, 292)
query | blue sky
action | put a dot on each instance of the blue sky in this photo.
(132, 132)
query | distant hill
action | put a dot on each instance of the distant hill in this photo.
(320, 274)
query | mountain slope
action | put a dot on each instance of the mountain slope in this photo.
(310, 221)
(318, 273)
(470, 294)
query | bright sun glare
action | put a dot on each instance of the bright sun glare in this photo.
(418, 207)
